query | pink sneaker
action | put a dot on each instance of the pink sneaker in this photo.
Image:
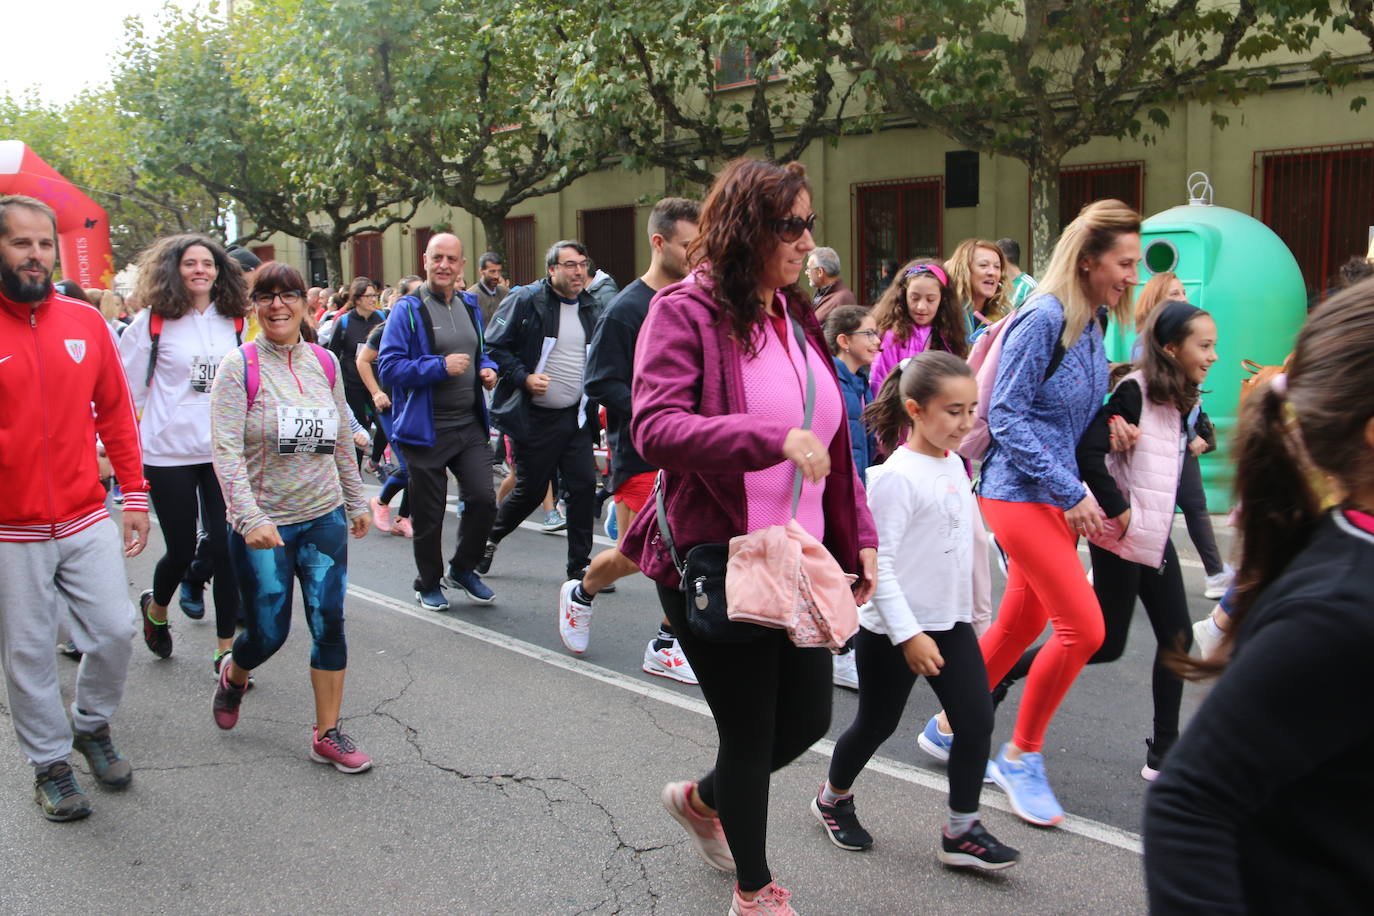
(337, 749)
(706, 832)
(381, 515)
(772, 901)
(401, 528)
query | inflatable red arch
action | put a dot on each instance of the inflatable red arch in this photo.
(83, 230)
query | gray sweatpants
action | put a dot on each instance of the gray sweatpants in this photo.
(78, 583)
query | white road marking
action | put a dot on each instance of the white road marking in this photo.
(992, 797)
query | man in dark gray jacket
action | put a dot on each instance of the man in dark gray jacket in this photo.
(538, 339)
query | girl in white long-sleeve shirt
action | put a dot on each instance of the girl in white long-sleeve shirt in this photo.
(920, 621)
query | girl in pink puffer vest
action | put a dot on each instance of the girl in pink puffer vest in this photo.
(1133, 556)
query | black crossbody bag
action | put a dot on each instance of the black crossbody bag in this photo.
(703, 570)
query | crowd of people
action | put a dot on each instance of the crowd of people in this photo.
(879, 442)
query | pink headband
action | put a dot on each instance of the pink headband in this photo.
(934, 270)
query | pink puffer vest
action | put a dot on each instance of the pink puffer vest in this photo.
(1148, 478)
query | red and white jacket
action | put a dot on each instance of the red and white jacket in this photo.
(61, 384)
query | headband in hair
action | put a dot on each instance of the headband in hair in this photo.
(934, 270)
(1173, 315)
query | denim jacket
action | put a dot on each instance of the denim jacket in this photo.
(1036, 422)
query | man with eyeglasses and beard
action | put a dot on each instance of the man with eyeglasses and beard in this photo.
(539, 339)
(61, 384)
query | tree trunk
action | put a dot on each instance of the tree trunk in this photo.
(333, 259)
(494, 226)
(1044, 210)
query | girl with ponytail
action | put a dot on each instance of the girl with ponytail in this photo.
(921, 618)
(1266, 783)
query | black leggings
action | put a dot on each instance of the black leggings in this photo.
(771, 701)
(1192, 499)
(1118, 583)
(178, 493)
(885, 682)
(360, 403)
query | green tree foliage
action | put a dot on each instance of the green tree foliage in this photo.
(450, 100)
(688, 84)
(206, 92)
(87, 140)
(1034, 79)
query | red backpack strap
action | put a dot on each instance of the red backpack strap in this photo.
(326, 362)
(238, 330)
(154, 334)
(252, 373)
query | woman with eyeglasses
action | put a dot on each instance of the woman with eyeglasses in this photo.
(719, 401)
(356, 320)
(294, 496)
(196, 308)
(916, 313)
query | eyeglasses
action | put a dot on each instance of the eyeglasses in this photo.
(574, 265)
(372, 296)
(867, 331)
(790, 228)
(288, 298)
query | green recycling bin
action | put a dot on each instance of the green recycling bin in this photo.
(1236, 268)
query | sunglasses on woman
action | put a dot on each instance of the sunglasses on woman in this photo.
(791, 228)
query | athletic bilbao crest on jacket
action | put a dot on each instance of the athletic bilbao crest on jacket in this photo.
(76, 349)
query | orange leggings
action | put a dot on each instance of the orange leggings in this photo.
(1046, 583)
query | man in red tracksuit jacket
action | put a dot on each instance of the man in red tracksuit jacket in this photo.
(61, 384)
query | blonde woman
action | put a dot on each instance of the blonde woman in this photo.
(1032, 492)
(977, 273)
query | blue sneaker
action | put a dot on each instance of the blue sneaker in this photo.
(192, 599)
(470, 584)
(1027, 787)
(935, 742)
(610, 528)
(432, 599)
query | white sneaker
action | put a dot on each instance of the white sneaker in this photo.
(1205, 638)
(668, 662)
(845, 672)
(1218, 584)
(574, 619)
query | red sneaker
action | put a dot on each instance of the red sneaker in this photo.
(771, 901)
(337, 749)
(706, 832)
(381, 515)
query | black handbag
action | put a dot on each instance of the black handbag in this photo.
(703, 584)
(703, 570)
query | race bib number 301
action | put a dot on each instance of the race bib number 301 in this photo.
(202, 373)
(306, 430)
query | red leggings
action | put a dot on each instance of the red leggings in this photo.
(1046, 583)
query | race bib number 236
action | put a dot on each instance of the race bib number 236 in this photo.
(306, 430)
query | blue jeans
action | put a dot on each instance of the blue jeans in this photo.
(316, 553)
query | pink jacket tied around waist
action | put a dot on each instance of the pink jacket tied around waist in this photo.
(785, 560)
(1148, 476)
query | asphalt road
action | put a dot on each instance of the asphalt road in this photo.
(512, 778)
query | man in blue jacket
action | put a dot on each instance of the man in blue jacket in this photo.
(539, 339)
(432, 357)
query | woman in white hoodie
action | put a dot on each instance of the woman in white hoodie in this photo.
(195, 314)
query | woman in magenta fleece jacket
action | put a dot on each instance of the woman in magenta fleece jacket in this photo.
(719, 394)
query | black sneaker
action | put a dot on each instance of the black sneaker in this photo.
(842, 824)
(484, 564)
(57, 793)
(976, 848)
(156, 636)
(106, 763)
